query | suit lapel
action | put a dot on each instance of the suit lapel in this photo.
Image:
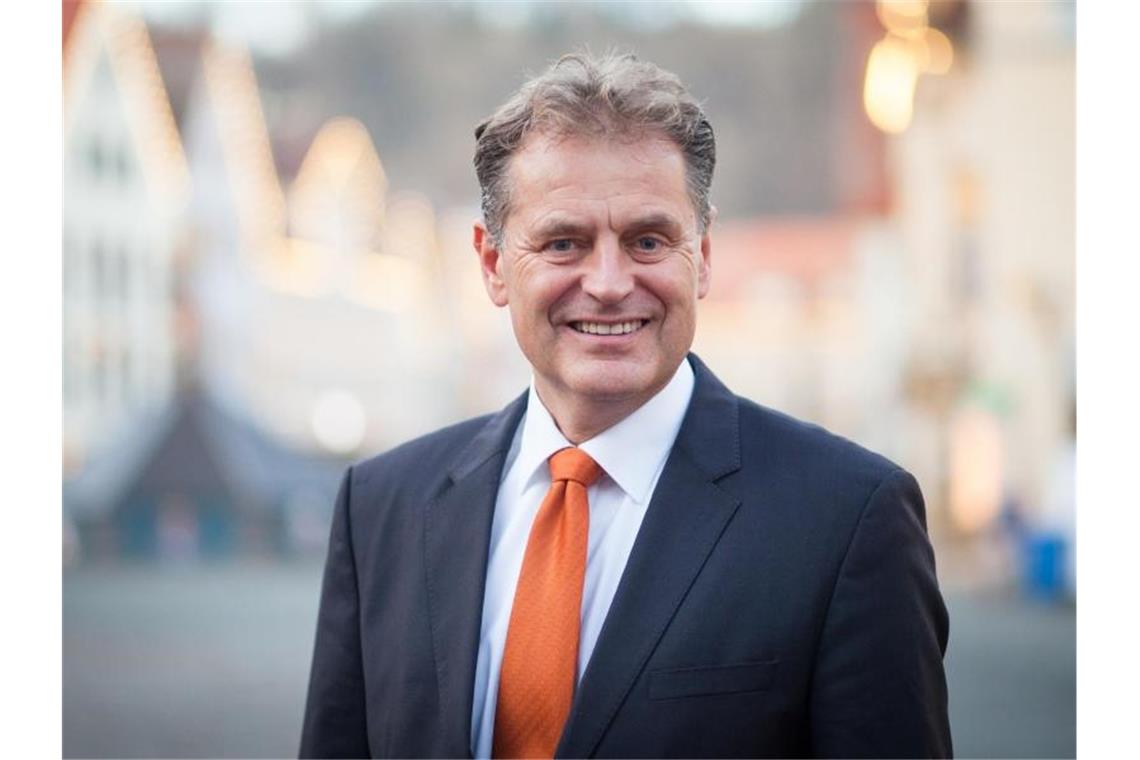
(457, 530)
(685, 519)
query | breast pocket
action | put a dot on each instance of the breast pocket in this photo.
(722, 679)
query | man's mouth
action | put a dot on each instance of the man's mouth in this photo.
(609, 328)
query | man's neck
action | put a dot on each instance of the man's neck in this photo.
(580, 420)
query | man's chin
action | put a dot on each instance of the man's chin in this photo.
(613, 381)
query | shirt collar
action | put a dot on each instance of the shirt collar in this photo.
(649, 431)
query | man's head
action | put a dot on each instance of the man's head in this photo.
(612, 96)
(595, 180)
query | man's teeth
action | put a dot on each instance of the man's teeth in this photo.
(605, 328)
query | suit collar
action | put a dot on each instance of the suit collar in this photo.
(457, 532)
(686, 518)
(711, 437)
(493, 439)
(710, 433)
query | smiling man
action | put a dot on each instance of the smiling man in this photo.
(628, 560)
(601, 260)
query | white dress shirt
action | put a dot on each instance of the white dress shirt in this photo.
(632, 453)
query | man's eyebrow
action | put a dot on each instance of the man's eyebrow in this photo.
(655, 221)
(557, 227)
(561, 228)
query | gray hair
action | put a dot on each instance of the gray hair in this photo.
(580, 95)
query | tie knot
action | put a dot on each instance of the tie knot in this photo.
(574, 464)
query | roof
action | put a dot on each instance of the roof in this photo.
(195, 447)
(70, 10)
(103, 31)
(179, 55)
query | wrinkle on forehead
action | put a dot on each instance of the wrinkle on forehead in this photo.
(550, 175)
(644, 149)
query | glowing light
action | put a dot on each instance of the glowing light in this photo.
(888, 90)
(341, 148)
(338, 421)
(938, 52)
(248, 155)
(338, 194)
(976, 464)
(911, 47)
(903, 16)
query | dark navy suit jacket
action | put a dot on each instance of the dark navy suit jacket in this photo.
(780, 600)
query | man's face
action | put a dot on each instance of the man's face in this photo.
(602, 263)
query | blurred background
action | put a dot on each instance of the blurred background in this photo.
(268, 275)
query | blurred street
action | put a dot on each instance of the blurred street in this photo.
(1011, 667)
(212, 661)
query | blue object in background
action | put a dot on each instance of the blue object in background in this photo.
(1044, 565)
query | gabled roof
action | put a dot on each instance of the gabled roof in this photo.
(179, 56)
(341, 177)
(101, 30)
(234, 101)
(70, 10)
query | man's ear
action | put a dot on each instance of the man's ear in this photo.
(490, 264)
(704, 266)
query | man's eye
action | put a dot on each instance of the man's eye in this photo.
(648, 244)
(562, 245)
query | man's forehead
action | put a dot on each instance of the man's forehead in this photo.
(558, 171)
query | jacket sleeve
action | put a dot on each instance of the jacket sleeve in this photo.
(878, 688)
(335, 723)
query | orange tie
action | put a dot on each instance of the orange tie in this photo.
(540, 659)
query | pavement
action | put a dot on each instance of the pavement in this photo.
(212, 661)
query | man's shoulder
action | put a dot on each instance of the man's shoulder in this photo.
(774, 444)
(803, 438)
(804, 449)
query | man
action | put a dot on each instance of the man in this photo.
(628, 560)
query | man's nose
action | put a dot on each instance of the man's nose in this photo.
(609, 272)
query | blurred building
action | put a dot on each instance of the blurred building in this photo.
(320, 310)
(984, 176)
(125, 189)
(209, 298)
(908, 284)
(986, 198)
(807, 315)
(195, 481)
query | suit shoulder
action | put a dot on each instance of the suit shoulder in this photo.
(806, 447)
(819, 481)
